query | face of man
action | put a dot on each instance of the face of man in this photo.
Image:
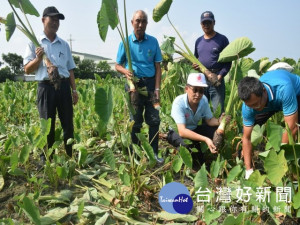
(51, 24)
(194, 94)
(139, 24)
(257, 103)
(208, 26)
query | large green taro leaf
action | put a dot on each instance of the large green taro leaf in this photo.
(274, 133)
(200, 179)
(257, 134)
(103, 107)
(275, 166)
(161, 9)
(26, 5)
(10, 25)
(237, 49)
(107, 16)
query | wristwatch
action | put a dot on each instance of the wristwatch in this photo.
(74, 91)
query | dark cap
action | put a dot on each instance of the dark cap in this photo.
(207, 15)
(52, 11)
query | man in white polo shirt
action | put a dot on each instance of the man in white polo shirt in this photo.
(187, 111)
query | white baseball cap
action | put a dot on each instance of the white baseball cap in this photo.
(197, 80)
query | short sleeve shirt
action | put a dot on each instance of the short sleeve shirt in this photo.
(144, 55)
(283, 88)
(183, 114)
(57, 51)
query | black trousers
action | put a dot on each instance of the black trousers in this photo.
(49, 101)
(177, 141)
(146, 112)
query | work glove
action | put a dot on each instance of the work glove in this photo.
(248, 173)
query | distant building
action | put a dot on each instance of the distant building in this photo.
(95, 58)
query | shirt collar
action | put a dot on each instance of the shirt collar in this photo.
(269, 91)
(43, 36)
(135, 39)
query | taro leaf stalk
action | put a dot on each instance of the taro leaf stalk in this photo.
(108, 16)
(10, 25)
(234, 51)
(159, 11)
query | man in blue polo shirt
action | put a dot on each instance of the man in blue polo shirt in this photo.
(146, 57)
(207, 50)
(187, 111)
(275, 91)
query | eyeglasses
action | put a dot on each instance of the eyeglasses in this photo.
(200, 90)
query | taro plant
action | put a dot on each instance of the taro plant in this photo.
(108, 16)
(10, 25)
(236, 50)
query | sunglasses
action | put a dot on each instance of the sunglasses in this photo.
(200, 90)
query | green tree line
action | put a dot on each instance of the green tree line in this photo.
(12, 65)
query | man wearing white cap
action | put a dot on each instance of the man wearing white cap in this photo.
(187, 111)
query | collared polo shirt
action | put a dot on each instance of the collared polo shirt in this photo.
(183, 114)
(144, 55)
(57, 51)
(283, 88)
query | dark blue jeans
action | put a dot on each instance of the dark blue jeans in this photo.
(216, 95)
(147, 112)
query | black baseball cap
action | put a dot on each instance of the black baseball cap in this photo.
(52, 11)
(207, 15)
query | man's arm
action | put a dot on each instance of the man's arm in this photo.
(247, 146)
(291, 121)
(157, 79)
(123, 70)
(73, 86)
(34, 64)
(189, 134)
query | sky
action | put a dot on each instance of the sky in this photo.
(272, 25)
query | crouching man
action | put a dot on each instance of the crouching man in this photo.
(187, 111)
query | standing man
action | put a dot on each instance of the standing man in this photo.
(146, 57)
(50, 99)
(187, 111)
(207, 49)
(275, 91)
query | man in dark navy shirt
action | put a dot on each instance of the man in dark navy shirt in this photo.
(207, 49)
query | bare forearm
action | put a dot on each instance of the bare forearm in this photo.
(247, 152)
(32, 65)
(157, 75)
(72, 80)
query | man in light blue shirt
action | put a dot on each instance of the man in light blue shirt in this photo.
(187, 111)
(146, 57)
(50, 99)
(275, 91)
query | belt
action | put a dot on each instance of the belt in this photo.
(48, 81)
(147, 78)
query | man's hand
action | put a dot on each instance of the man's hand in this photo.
(75, 97)
(128, 74)
(39, 51)
(211, 146)
(227, 118)
(196, 67)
